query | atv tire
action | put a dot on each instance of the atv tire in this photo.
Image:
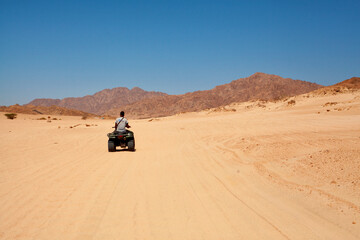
(131, 145)
(111, 146)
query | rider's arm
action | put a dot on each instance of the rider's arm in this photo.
(127, 124)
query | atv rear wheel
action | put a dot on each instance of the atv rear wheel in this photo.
(111, 146)
(131, 145)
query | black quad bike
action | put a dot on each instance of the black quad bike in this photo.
(121, 139)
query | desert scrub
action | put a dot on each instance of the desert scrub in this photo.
(291, 102)
(10, 115)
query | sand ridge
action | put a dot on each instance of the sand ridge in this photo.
(254, 170)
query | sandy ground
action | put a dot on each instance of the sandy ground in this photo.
(265, 171)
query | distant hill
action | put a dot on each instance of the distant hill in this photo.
(257, 86)
(52, 110)
(352, 84)
(100, 102)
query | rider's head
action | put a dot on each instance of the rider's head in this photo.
(122, 114)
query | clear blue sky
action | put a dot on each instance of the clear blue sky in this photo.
(58, 49)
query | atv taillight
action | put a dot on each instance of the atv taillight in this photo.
(120, 137)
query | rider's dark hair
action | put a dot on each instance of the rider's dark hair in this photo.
(122, 114)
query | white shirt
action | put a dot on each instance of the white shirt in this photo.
(122, 123)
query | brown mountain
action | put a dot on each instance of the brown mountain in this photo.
(352, 84)
(100, 102)
(257, 86)
(51, 110)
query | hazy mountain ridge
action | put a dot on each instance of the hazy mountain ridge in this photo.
(101, 101)
(46, 110)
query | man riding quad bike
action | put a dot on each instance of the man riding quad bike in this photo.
(121, 136)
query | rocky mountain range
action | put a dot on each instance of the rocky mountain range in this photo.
(100, 102)
(259, 86)
(143, 104)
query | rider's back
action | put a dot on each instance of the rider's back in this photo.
(121, 124)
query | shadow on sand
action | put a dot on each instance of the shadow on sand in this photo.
(124, 150)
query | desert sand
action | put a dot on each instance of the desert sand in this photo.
(255, 170)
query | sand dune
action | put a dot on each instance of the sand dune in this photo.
(255, 170)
